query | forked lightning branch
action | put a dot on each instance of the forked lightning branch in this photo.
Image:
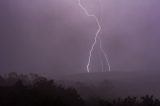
(95, 39)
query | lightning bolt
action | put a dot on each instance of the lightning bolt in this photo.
(95, 38)
(105, 55)
(100, 42)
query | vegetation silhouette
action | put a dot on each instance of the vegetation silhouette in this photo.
(34, 90)
(132, 101)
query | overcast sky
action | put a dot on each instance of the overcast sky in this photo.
(53, 37)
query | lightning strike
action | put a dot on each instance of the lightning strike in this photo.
(105, 55)
(100, 42)
(95, 38)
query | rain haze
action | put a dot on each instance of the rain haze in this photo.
(53, 38)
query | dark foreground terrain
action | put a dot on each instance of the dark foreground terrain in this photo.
(34, 90)
(117, 84)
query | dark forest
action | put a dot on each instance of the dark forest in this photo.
(35, 90)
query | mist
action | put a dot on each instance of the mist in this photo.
(45, 46)
(53, 37)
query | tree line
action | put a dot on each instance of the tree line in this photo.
(34, 90)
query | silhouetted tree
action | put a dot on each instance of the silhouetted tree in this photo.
(41, 92)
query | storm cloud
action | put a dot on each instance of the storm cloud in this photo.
(53, 37)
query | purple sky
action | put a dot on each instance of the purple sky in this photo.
(53, 37)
